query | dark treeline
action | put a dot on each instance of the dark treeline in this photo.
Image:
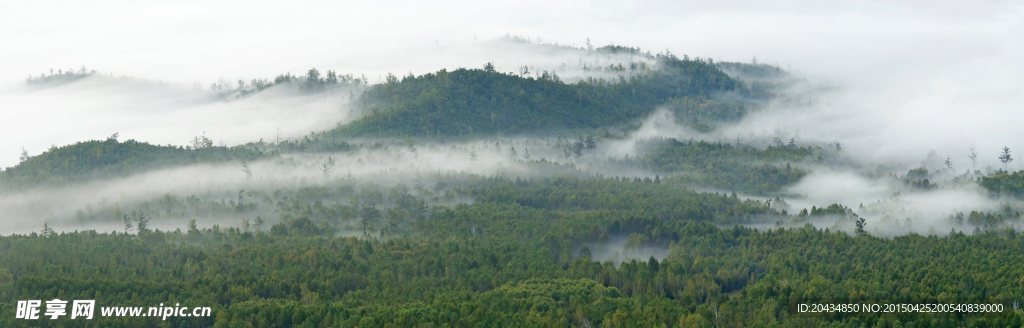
(84, 161)
(1004, 183)
(95, 159)
(498, 263)
(486, 102)
(313, 81)
(61, 76)
(721, 165)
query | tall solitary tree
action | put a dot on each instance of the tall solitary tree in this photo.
(127, 225)
(24, 156)
(974, 158)
(326, 166)
(247, 171)
(143, 222)
(1005, 157)
(860, 226)
(369, 216)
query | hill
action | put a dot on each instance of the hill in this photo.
(487, 102)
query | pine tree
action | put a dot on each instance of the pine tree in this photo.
(860, 227)
(1005, 157)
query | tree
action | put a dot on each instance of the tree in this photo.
(201, 141)
(47, 231)
(585, 251)
(326, 166)
(512, 153)
(472, 155)
(247, 171)
(949, 163)
(1005, 157)
(860, 226)
(792, 143)
(24, 156)
(142, 220)
(369, 216)
(332, 78)
(127, 224)
(974, 158)
(526, 153)
(489, 67)
(312, 79)
(259, 223)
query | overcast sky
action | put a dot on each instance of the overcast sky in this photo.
(920, 74)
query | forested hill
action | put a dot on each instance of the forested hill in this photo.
(1004, 183)
(88, 160)
(487, 102)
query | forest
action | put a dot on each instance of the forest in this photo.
(616, 188)
(486, 102)
(517, 256)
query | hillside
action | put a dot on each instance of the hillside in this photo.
(94, 159)
(468, 102)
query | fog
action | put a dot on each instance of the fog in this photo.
(914, 75)
(159, 113)
(890, 81)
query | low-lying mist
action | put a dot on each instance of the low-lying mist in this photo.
(160, 113)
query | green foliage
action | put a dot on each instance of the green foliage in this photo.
(721, 165)
(499, 279)
(483, 102)
(84, 161)
(1003, 183)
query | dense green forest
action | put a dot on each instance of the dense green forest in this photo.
(518, 256)
(89, 160)
(95, 159)
(1004, 183)
(487, 102)
(725, 166)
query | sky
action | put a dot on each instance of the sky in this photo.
(913, 75)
